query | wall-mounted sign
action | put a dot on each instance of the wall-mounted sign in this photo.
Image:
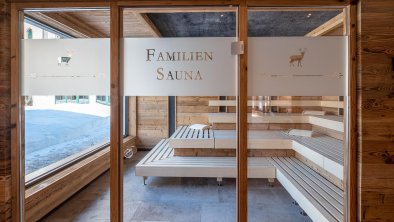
(297, 66)
(65, 67)
(179, 67)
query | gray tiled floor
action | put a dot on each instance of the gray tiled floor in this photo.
(177, 199)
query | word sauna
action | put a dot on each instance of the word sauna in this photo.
(178, 75)
(162, 74)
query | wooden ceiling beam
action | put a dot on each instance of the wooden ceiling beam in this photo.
(184, 9)
(66, 23)
(294, 9)
(328, 26)
(145, 20)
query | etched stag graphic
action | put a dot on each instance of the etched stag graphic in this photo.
(64, 59)
(297, 58)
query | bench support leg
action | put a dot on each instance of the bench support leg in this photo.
(295, 202)
(145, 178)
(219, 180)
(303, 213)
(271, 182)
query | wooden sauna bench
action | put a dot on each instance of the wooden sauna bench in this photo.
(330, 122)
(318, 197)
(284, 103)
(323, 151)
(161, 162)
(184, 138)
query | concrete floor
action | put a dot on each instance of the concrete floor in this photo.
(177, 199)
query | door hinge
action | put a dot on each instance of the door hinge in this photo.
(237, 48)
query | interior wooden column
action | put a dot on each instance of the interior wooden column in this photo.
(116, 168)
(375, 95)
(6, 213)
(350, 160)
(242, 129)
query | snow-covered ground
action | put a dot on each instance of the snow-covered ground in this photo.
(53, 132)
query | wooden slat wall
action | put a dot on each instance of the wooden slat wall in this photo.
(5, 113)
(375, 114)
(298, 109)
(152, 120)
(194, 109)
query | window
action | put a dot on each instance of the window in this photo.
(60, 128)
(103, 100)
(72, 99)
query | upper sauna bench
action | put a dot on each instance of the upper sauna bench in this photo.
(327, 121)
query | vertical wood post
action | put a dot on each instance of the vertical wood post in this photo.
(116, 167)
(242, 104)
(351, 130)
(17, 150)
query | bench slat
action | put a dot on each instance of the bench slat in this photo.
(325, 145)
(326, 209)
(163, 148)
(152, 154)
(316, 175)
(315, 184)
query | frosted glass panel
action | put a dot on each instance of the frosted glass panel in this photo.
(298, 66)
(179, 66)
(65, 67)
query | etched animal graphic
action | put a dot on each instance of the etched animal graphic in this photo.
(297, 58)
(64, 59)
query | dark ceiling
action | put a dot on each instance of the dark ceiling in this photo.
(222, 24)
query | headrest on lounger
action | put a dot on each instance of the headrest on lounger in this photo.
(298, 132)
(199, 126)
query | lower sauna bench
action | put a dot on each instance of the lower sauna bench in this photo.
(161, 162)
(319, 198)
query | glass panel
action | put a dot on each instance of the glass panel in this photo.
(179, 71)
(65, 89)
(297, 70)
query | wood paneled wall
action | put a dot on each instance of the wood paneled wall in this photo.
(5, 113)
(194, 109)
(298, 109)
(152, 116)
(375, 90)
(152, 120)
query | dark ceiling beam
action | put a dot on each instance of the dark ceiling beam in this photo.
(328, 26)
(66, 23)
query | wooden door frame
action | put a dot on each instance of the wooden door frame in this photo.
(116, 199)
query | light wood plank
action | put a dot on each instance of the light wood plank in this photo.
(328, 26)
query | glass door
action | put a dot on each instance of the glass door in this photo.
(180, 82)
(297, 75)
